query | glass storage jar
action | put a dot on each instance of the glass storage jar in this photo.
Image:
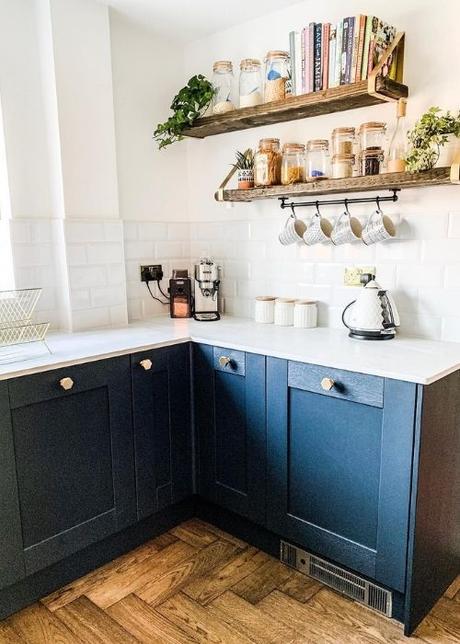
(317, 159)
(250, 82)
(342, 166)
(277, 76)
(293, 163)
(371, 161)
(267, 163)
(223, 83)
(372, 135)
(342, 140)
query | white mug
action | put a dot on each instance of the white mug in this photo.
(305, 314)
(265, 309)
(284, 311)
(293, 231)
(319, 230)
(379, 227)
(346, 229)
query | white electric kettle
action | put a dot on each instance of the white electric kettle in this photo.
(373, 315)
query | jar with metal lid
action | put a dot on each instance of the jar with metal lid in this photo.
(250, 83)
(277, 76)
(372, 135)
(293, 163)
(342, 166)
(222, 81)
(371, 161)
(318, 159)
(267, 163)
(342, 140)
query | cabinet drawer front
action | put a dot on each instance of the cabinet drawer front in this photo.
(356, 387)
(229, 361)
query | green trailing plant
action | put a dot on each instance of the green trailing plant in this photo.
(428, 136)
(189, 104)
(244, 160)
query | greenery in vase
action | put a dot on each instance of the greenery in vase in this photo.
(189, 104)
(427, 137)
(244, 160)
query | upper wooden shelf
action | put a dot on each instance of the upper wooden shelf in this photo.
(390, 181)
(337, 99)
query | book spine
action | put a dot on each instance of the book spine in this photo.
(298, 62)
(325, 54)
(311, 55)
(292, 58)
(338, 53)
(367, 37)
(303, 59)
(318, 76)
(343, 63)
(372, 44)
(349, 54)
(332, 55)
(362, 29)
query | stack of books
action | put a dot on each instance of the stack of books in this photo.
(324, 55)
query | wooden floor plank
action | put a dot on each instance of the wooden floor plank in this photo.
(37, 625)
(442, 624)
(81, 586)
(92, 625)
(454, 589)
(226, 535)
(8, 635)
(145, 623)
(126, 580)
(208, 587)
(251, 621)
(195, 532)
(262, 581)
(299, 586)
(169, 583)
(199, 622)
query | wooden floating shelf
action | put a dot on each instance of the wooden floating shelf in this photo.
(337, 99)
(390, 181)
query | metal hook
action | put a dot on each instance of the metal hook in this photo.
(345, 201)
(318, 214)
(293, 211)
(377, 201)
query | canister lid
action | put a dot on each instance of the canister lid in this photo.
(372, 125)
(293, 147)
(276, 53)
(249, 62)
(317, 144)
(222, 66)
(343, 131)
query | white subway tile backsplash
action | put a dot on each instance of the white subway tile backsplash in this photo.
(107, 296)
(76, 254)
(144, 250)
(427, 275)
(152, 231)
(179, 231)
(87, 276)
(170, 249)
(452, 276)
(106, 253)
(450, 329)
(441, 250)
(454, 225)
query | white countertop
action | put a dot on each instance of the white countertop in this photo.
(410, 359)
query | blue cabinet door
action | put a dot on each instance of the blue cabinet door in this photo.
(339, 465)
(12, 567)
(162, 427)
(229, 389)
(73, 444)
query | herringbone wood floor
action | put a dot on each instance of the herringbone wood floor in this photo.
(199, 584)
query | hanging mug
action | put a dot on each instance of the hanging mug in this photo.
(319, 229)
(347, 229)
(293, 231)
(379, 227)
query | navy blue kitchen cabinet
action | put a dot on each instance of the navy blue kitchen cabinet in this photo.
(162, 427)
(229, 388)
(73, 446)
(339, 465)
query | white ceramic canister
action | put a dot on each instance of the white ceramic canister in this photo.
(265, 309)
(305, 314)
(284, 311)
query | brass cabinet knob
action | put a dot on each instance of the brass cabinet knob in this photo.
(225, 361)
(146, 364)
(66, 383)
(327, 384)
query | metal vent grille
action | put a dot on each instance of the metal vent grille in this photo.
(337, 578)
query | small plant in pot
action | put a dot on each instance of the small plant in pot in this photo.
(429, 134)
(245, 167)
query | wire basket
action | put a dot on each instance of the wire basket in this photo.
(22, 332)
(16, 306)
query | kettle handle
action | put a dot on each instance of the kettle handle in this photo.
(343, 314)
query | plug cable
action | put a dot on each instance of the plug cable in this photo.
(157, 299)
(162, 292)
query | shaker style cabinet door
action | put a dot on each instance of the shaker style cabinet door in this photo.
(229, 389)
(162, 427)
(339, 465)
(11, 552)
(73, 443)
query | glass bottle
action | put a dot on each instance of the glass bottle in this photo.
(396, 161)
(277, 76)
(250, 82)
(223, 83)
(267, 163)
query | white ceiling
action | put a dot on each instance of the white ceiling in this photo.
(187, 20)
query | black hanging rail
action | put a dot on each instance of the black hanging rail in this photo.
(333, 202)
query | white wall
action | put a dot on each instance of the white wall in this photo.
(422, 266)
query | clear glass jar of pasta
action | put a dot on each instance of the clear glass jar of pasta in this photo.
(293, 164)
(267, 163)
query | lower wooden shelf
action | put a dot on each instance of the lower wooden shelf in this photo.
(390, 181)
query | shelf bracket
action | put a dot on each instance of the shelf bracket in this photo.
(392, 61)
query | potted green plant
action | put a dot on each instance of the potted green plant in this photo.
(244, 164)
(429, 134)
(189, 104)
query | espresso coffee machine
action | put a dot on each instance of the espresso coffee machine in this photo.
(206, 291)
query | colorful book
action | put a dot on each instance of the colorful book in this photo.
(332, 55)
(338, 53)
(343, 62)
(298, 63)
(325, 55)
(349, 56)
(318, 80)
(311, 56)
(370, 31)
(358, 42)
(292, 58)
(303, 40)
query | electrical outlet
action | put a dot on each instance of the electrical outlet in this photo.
(151, 273)
(352, 275)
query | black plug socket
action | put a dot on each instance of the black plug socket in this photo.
(151, 273)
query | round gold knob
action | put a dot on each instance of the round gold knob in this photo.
(66, 383)
(146, 364)
(327, 384)
(225, 361)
